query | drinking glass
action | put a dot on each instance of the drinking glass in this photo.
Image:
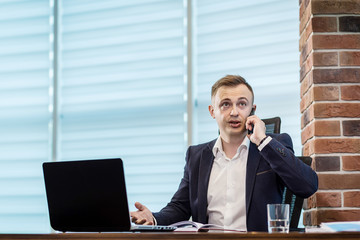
(278, 218)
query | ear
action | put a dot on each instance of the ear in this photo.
(254, 108)
(211, 111)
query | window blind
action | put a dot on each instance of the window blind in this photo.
(24, 115)
(122, 90)
(257, 40)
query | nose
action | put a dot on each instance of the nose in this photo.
(234, 111)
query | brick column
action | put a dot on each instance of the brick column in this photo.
(330, 106)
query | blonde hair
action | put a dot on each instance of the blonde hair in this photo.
(230, 81)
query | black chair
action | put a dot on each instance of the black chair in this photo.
(272, 124)
(295, 202)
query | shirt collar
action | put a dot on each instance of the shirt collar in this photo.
(218, 145)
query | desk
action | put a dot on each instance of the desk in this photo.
(180, 236)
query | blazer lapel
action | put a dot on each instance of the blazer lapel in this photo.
(252, 165)
(205, 165)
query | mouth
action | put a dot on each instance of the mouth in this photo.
(235, 124)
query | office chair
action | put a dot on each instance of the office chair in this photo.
(295, 202)
(272, 124)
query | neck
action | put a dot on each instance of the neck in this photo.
(230, 144)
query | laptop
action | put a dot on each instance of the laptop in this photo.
(89, 196)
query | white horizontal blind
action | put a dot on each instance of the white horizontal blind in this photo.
(24, 115)
(259, 41)
(122, 87)
(122, 90)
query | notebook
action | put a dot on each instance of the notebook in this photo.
(89, 196)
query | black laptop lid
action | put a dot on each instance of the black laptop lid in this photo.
(87, 195)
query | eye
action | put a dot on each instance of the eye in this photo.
(225, 105)
(243, 104)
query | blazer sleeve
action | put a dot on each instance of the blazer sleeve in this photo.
(300, 178)
(178, 209)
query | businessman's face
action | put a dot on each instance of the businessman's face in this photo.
(230, 108)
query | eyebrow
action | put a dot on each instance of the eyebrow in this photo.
(243, 98)
(240, 98)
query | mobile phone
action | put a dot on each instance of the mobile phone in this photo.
(252, 125)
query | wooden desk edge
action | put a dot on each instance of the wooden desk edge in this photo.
(182, 236)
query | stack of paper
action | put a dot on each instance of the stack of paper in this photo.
(342, 226)
(351, 226)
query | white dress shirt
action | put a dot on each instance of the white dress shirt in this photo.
(227, 185)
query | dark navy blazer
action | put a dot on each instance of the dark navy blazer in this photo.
(267, 173)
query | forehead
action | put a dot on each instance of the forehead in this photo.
(233, 93)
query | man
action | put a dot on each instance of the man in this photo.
(230, 180)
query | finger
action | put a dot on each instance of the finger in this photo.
(133, 219)
(142, 221)
(250, 120)
(249, 125)
(149, 223)
(139, 206)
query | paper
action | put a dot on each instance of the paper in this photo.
(347, 226)
(190, 226)
(351, 226)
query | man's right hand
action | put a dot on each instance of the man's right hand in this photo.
(142, 216)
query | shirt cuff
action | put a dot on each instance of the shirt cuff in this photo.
(155, 222)
(264, 143)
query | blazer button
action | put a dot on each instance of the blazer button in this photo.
(281, 151)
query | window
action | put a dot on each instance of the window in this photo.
(116, 75)
(122, 90)
(257, 40)
(24, 114)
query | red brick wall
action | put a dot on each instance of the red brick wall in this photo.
(330, 106)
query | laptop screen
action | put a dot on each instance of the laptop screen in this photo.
(87, 195)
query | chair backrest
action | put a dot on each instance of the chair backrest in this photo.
(295, 202)
(272, 124)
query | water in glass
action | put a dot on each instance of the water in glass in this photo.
(278, 226)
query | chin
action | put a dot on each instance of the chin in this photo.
(237, 131)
